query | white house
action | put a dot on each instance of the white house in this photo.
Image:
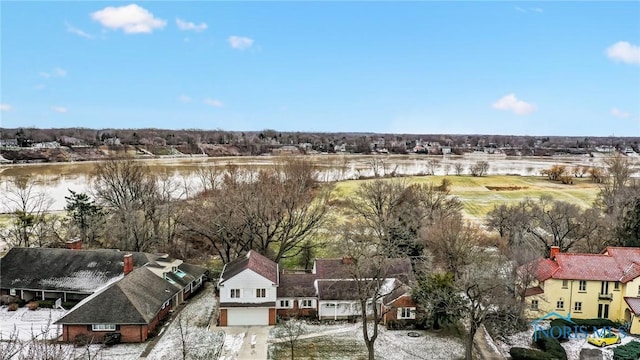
(248, 291)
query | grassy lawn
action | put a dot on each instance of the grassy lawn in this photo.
(480, 194)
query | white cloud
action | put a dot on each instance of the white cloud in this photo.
(538, 10)
(132, 19)
(5, 107)
(184, 99)
(625, 52)
(511, 103)
(188, 25)
(213, 102)
(240, 42)
(619, 113)
(57, 72)
(60, 109)
(39, 86)
(74, 30)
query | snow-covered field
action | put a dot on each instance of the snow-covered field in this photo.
(30, 323)
(232, 346)
(390, 345)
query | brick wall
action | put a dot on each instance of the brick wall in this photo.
(130, 333)
(391, 309)
(272, 316)
(223, 317)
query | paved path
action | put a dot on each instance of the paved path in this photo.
(238, 342)
(486, 351)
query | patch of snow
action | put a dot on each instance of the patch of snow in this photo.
(92, 264)
(232, 346)
(29, 323)
(81, 280)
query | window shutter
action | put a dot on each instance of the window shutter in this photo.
(117, 327)
(89, 327)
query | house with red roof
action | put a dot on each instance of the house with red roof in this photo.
(605, 285)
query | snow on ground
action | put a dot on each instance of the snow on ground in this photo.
(194, 320)
(232, 346)
(28, 323)
(396, 344)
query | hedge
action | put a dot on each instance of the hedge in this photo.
(518, 353)
(589, 323)
(630, 351)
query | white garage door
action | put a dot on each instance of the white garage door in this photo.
(247, 316)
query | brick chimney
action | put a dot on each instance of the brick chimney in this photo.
(555, 250)
(75, 244)
(128, 263)
(347, 260)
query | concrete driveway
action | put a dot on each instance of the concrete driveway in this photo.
(245, 342)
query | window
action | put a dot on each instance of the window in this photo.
(235, 293)
(406, 313)
(604, 288)
(577, 306)
(261, 293)
(583, 286)
(306, 303)
(12, 292)
(284, 304)
(330, 305)
(534, 304)
(638, 290)
(560, 304)
(616, 286)
(565, 284)
(103, 327)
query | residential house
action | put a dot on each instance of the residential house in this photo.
(252, 290)
(605, 285)
(132, 306)
(248, 291)
(124, 292)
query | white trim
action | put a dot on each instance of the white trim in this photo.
(103, 327)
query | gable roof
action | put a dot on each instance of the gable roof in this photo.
(399, 290)
(614, 264)
(339, 269)
(134, 299)
(82, 271)
(296, 285)
(634, 304)
(260, 264)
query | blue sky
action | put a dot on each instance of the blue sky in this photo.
(520, 68)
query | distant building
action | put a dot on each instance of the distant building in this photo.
(8, 143)
(46, 145)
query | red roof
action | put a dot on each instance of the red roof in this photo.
(253, 261)
(533, 291)
(614, 264)
(634, 304)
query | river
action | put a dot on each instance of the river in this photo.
(55, 179)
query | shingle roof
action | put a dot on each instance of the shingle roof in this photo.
(537, 290)
(234, 304)
(135, 299)
(336, 290)
(252, 261)
(296, 285)
(614, 264)
(82, 271)
(339, 269)
(634, 304)
(399, 289)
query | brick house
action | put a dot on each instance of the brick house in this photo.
(132, 306)
(127, 293)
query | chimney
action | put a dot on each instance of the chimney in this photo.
(555, 250)
(74, 244)
(347, 260)
(128, 263)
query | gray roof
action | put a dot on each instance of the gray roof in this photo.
(296, 285)
(135, 299)
(82, 271)
(260, 264)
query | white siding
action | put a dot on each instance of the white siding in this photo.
(247, 316)
(247, 281)
(340, 310)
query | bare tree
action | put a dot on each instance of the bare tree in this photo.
(480, 168)
(29, 207)
(432, 166)
(458, 168)
(290, 330)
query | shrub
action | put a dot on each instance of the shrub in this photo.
(518, 353)
(552, 347)
(49, 304)
(589, 324)
(32, 305)
(20, 302)
(69, 304)
(13, 307)
(630, 351)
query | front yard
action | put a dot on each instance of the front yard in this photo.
(345, 342)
